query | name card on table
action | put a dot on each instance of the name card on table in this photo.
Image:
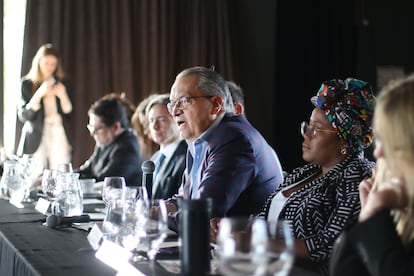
(42, 205)
(116, 257)
(16, 203)
(95, 237)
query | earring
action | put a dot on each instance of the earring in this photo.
(343, 151)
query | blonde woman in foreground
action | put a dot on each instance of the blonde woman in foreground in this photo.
(381, 243)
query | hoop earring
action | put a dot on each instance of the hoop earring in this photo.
(344, 151)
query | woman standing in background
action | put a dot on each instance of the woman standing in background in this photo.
(43, 109)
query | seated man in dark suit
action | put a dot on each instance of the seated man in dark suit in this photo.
(116, 147)
(170, 158)
(228, 160)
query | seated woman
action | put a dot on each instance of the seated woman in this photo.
(382, 242)
(320, 198)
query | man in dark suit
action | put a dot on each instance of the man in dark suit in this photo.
(170, 158)
(228, 160)
(116, 151)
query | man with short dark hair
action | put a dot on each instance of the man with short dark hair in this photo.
(116, 150)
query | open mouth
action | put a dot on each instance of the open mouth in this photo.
(180, 123)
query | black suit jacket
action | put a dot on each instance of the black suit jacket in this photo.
(119, 158)
(169, 179)
(372, 247)
(34, 120)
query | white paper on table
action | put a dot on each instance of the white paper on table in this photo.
(42, 206)
(95, 236)
(113, 255)
(16, 204)
(129, 270)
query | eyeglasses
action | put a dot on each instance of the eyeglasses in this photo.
(312, 130)
(183, 103)
(94, 130)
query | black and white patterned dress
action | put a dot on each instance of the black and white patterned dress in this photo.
(319, 211)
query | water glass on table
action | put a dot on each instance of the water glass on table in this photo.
(12, 182)
(51, 186)
(65, 167)
(69, 202)
(113, 189)
(120, 224)
(151, 227)
(113, 195)
(253, 246)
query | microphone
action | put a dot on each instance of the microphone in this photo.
(147, 171)
(54, 221)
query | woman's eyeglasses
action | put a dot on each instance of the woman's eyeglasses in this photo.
(183, 102)
(306, 128)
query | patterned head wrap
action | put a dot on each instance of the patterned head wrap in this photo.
(349, 106)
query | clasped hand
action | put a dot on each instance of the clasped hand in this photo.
(381, 191)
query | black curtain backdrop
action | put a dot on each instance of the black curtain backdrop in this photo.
(136, 46)
(279, 51)
(315, 42)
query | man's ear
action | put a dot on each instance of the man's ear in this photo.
(238, 109)
(217, 104)
(117, 126)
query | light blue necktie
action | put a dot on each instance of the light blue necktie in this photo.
(195, 182)
(158, 165)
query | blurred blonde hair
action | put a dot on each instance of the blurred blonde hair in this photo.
(35, 75)
(147, 146)
(395, 105)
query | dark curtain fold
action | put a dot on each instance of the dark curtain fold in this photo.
(136, 46)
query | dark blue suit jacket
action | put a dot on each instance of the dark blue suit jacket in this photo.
(240, 169)
(169, 179)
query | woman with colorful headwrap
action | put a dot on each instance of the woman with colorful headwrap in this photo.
(382, 242)
(320, 198)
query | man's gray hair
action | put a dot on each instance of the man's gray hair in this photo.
(211, 83)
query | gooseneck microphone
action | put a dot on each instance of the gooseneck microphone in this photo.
(147, 171)
(54, 221)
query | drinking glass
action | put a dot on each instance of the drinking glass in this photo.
(151, 226)
(51, 186)
(28, 174)
(252, 246)
(142, 194)
(113, 195)
(236, 249)
(281, 248)
(136, 192)
(113, 189)
(65, 167)
(136, 199)
(70, 201)
(12, 182)
(112, 222)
